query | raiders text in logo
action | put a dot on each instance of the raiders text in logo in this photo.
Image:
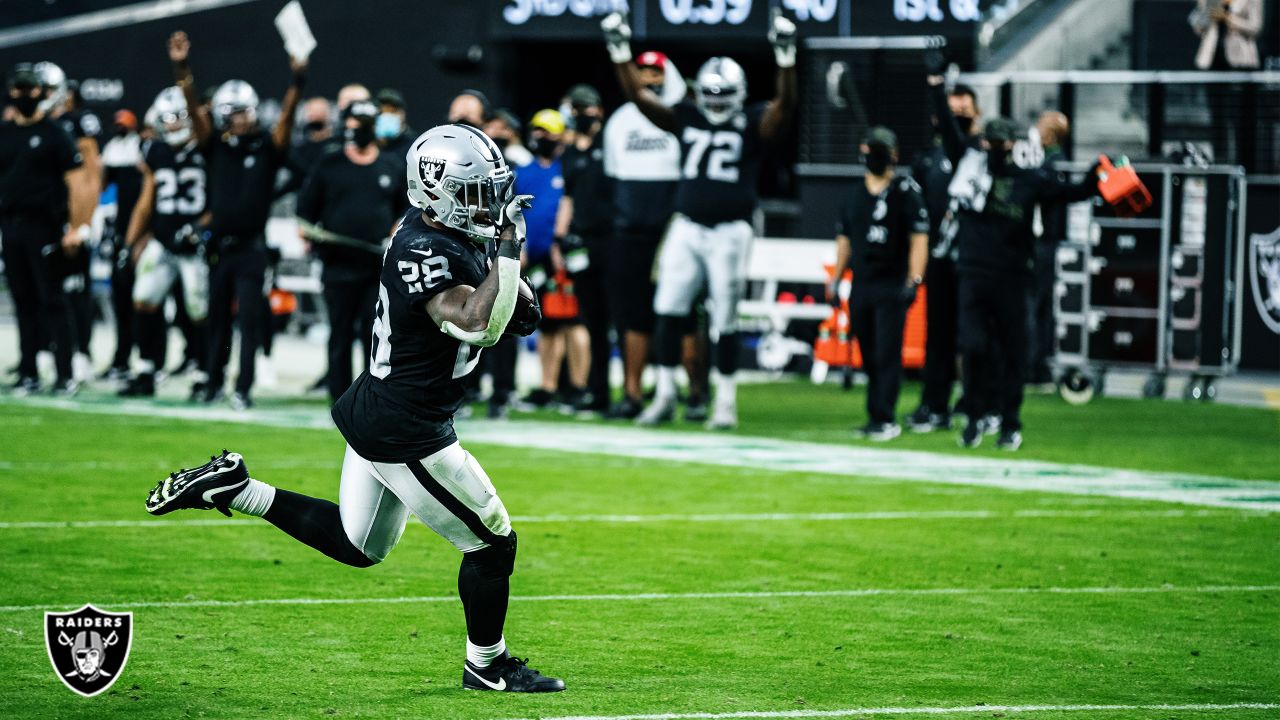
(88, 647)
(430, 169)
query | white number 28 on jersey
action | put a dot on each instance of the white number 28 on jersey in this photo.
(429, 273)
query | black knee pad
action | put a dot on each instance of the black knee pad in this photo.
(494, 562)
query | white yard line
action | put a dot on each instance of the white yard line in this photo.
(648, 597)
(985, 709)
(694, 518)
(773, 455)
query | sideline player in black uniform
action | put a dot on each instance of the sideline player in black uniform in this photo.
(441, 300)
(707, 243)
(352, 198)
(996, 202)
(242, 160)
(61, 102)
(882, 235)
(933, 170)
(45, 209)
(165, 239)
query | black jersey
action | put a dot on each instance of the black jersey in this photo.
(33, 161)
(180, 192)
(590, 188)
(81, 124)
(242, 176)
(402, 407)
(361, 202)
(932, 170)
(879, 228)
(719, 164)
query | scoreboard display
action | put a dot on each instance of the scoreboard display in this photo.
(732, 19)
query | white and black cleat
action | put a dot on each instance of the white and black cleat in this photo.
(659, 412)
(1010, 440)
(971, 436)
(508, 674)
(211, 486)
(880, 432)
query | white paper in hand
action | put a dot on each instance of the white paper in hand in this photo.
(292, 24)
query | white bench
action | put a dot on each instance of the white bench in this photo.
(786, 260)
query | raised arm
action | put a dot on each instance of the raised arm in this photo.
(179, 49)
(283, 130)
(1053, 189)
(782, 36)
(479, 315)
(617, 39)
(953, 140)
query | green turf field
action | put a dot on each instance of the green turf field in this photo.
(924, 596)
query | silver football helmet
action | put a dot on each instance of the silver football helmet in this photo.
(458, 177)
(54, 82)
(231, 97)
(720, 89)
(169, 118)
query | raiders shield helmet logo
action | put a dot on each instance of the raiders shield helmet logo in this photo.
(88, 647)
(430, 170)
(1264, 276)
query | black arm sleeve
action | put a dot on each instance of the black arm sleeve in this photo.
(1052, 188)
(953, 141)
(311, 196)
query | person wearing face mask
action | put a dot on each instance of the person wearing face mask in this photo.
(932, 169)
(44, 216)
(348, 207)
(561, 338)
(243, 159)
(882, 234)
(392, 126)
(993, 215)
(470, 107)
(583, 229)
(505, 130)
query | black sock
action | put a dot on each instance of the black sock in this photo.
(668, 331)
(317, 523)
(727, 350)
(484, 584)
(151, 331)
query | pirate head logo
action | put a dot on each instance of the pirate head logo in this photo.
(430, 170)
(88, 647)
(1264, 276)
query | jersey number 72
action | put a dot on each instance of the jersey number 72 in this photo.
(722, 162)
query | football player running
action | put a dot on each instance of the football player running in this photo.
(165, 239)
(721, 144)
(442, 299)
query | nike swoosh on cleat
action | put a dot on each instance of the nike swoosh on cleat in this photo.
(500, 685)
(209, 493)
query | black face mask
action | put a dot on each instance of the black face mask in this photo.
(588, 124)
(997, 159)
(877, 159)
(25, 105)
(501, 142)
(965, 123)
(361, 135)
(542, 147)
(315, 126)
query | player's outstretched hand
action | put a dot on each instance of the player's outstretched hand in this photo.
(782, 36)
(179, 47)
(617, 37)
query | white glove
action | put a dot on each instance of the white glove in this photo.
(513, 215)
(782, 36)
(617, 37)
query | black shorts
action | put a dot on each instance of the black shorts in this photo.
(630, 277)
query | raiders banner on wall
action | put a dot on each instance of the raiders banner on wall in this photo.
(1260, 341)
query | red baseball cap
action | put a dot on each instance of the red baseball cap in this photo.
(652, 58)
(126, 119)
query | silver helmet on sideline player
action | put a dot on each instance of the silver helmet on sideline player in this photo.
(169, 118)
(54, 82)
(231, 97)
(458, 177)
(720, 89)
